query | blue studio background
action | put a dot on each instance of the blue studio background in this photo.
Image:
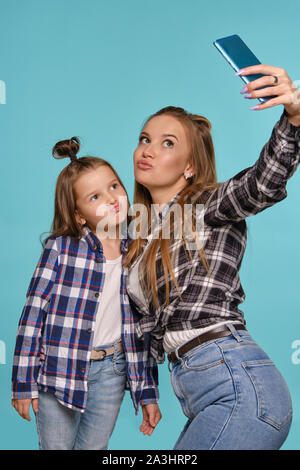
(97, 69)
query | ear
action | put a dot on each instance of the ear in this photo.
(189, 169)
(80, 220)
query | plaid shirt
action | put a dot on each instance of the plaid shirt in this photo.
(207, 300)
(58, 319)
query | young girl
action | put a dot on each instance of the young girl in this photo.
(76, 350)
(188, 297)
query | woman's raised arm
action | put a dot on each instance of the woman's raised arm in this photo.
(262, 185)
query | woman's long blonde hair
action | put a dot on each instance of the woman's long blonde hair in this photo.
(202, 158)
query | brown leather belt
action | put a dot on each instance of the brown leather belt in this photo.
(216, 333)
(99, 354)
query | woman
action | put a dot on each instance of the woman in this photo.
(187, 295)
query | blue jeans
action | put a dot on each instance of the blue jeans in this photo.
(233, 396)
(62, 428)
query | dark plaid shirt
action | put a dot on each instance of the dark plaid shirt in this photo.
(207, 300)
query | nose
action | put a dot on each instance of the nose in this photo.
(149, 151)
(110, 198)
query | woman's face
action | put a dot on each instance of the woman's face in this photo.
(164, 147)
(100, 197)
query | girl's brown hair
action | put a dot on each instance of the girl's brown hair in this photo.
(202, 158)
(64, 220)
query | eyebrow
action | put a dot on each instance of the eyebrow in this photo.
(95, 190)
(164, 135)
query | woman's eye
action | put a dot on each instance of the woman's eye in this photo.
(95, 196)
(169, 143)
(115, 184)
(143, 140)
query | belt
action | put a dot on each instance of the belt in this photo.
(216, 333)
(100, 354)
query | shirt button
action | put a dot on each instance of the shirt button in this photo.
(89, 330)
(82, 370)
(97, 294)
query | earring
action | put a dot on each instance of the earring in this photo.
(188, 175)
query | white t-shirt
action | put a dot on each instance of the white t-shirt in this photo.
(109, 315)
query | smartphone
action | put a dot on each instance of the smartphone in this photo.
(238, 54)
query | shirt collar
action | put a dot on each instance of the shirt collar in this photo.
(95, 243)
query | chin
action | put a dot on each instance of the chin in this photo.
(140, 178)
(144, 183)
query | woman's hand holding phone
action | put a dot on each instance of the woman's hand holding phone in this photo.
(287, 93)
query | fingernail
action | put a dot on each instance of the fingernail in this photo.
(248, 95)
(255, 107)
(240, 72)
(244, 90)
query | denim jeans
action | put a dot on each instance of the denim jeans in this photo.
(233, 396)
(62, 428)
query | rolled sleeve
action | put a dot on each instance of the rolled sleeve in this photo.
(258, 187)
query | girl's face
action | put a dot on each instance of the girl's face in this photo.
(100, 197)
(163, 145)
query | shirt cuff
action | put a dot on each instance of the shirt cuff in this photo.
(22, 390)
(149, 395)
(286, 129)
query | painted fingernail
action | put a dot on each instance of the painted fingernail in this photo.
(248, 95)
(244, 90)
(239, 72)
(255, 107)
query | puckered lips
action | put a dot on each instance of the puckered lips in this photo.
(144, 165)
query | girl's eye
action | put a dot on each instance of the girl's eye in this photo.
(95, 196)
(115, 184)
(169, 142)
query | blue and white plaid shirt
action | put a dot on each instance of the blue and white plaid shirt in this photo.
(55, 334)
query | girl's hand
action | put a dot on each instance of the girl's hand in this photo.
(22, 406)
(151, 416)
(287, 93)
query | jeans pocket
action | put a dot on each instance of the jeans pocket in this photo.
(193, 364)
(178, 392)
(203, 357)
(274, 405)
(119, 363)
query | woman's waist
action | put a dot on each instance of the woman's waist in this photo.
(174, 339)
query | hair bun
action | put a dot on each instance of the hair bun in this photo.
(66, 148)
(201, 120)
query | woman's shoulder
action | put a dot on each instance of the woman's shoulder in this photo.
(200, 195)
